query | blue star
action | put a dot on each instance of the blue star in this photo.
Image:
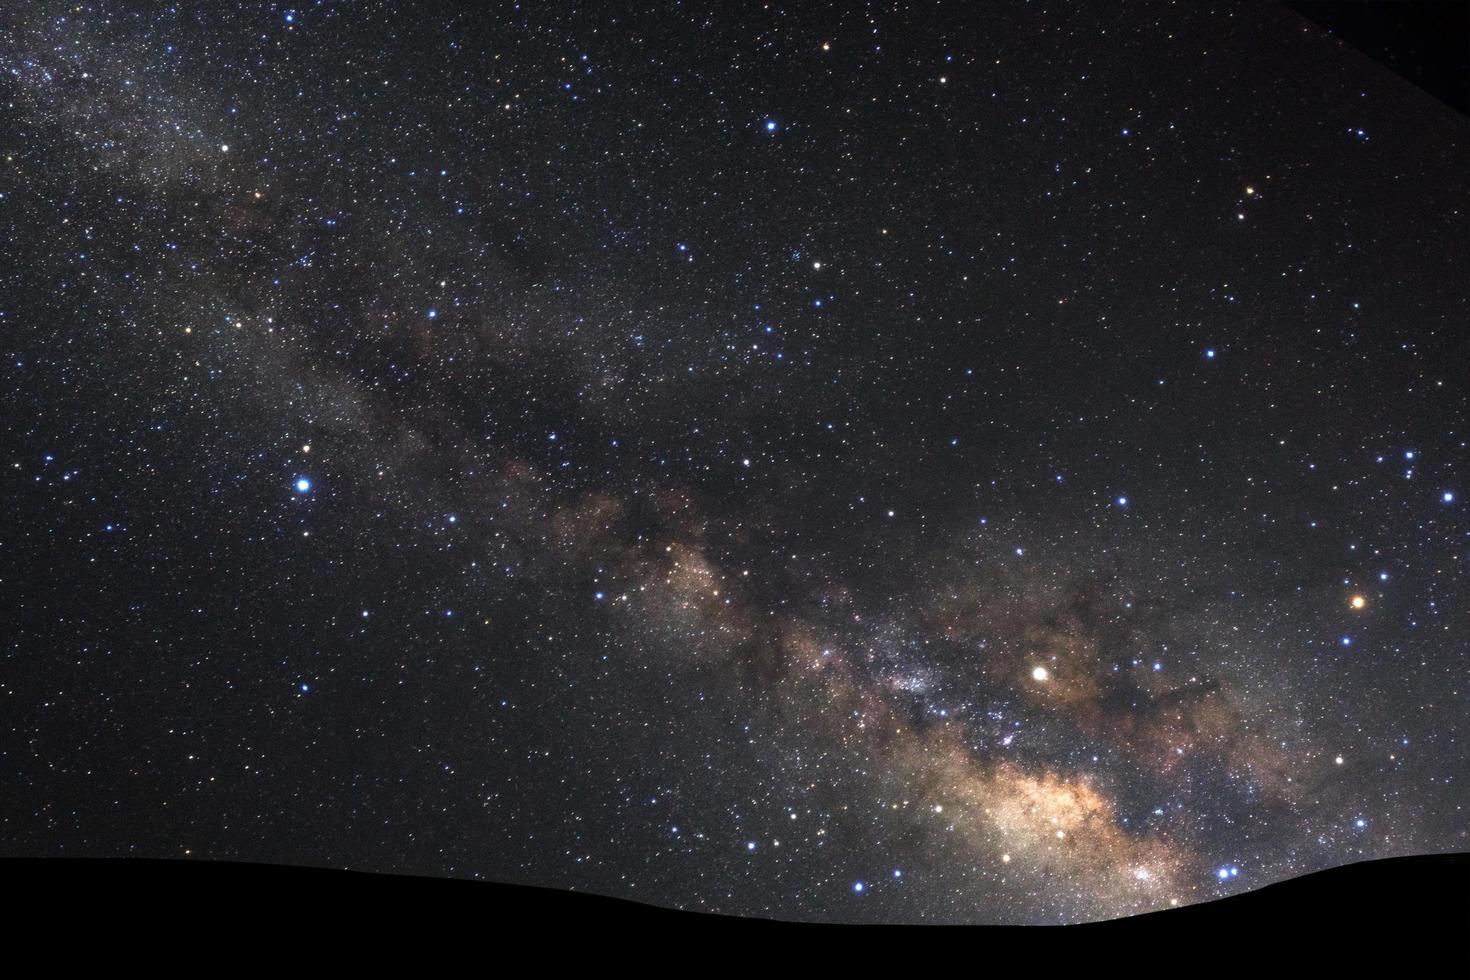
(1210, 353)
(1122, 501)
(770, 125)
(433, 314)
(302, 484)
(857, 886)
(1448, 496)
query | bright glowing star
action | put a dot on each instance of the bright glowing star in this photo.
(826, 45)
(1338, 760)
(1358, 602)
(898, 872)
(305, 688)
(1249, 191)
(1122, 501)
(1360, 823)
(1210, 353)
(857, 886)
(1005, 859)
(816, 265)
(1383, 576)
(770, 125)
(303, 485)
(598, 596)
(1141, 874)
(750, 845)
(433, 314)
(1347, 641)
(224, 148)
(943, 80)
(1040, 674)
(1448, 496)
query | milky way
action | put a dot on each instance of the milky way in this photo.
(891, 464)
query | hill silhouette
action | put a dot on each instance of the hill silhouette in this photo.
(1419, 895)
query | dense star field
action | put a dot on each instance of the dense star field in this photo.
(971, 463)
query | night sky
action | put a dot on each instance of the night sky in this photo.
(970, 463)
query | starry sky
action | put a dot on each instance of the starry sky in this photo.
(994, 463)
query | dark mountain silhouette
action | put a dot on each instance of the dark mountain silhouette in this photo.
(1426, 896)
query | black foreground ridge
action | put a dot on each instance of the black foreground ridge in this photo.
(1417, 895)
